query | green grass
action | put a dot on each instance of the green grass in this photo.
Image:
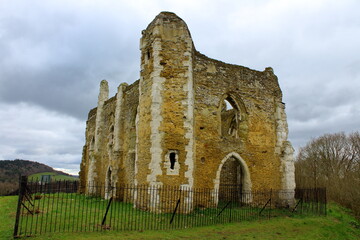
(339, 224)
(71, 212)
(54, 176)
(8, 206)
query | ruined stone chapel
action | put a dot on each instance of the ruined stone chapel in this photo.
(189, 121)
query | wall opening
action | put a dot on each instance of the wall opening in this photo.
(111, 137)
(109, 121)
(92, 144)
(172, 160)
(232, 180)
(131, 126)
(232, 117)
(231, 175)
(108, 184)
(147, 56)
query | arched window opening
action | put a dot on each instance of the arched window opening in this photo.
(172, 160)
(230, 117)
(147, 56)
(92, 144)
(111, 136)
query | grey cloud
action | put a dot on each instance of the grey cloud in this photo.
(64, 54)
(53, 54)
(30, 132)
(338, 119)
(26, 151)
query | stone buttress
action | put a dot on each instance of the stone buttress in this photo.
(165, 148)
(165, 135)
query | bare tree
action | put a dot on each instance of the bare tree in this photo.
(332, 161)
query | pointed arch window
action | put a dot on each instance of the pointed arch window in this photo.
(111, 136)
(231, 116)
(92, 144)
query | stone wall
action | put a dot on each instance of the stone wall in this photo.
(115, 137)
(186, 119)
(255, 94)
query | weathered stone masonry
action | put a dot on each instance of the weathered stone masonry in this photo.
(187, 120)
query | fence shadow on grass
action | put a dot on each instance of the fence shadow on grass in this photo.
(64, 206)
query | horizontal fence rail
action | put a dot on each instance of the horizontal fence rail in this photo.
(64, 206)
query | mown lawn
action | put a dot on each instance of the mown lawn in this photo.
(72, 212)
(339, 224)
(8, 206)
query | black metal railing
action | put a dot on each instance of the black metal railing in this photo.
(64, 206)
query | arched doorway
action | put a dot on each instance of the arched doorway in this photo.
(230, 188)
(232, 179)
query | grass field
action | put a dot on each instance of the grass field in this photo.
(339, 224)
(54, 176)
(72, 212)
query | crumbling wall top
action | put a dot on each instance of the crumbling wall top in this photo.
(216, 69)
(169, 21)
(166, 17)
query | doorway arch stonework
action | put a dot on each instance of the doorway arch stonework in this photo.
(246, 180)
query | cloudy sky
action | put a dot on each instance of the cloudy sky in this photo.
(53, 55)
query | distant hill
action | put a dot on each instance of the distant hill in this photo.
(11, 169)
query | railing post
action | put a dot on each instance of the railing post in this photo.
(224, 208)
(106, 212)
(22, 187)
(325, 201)
(230, 211)
(300, 201)
(270, 203)
(173, 215)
